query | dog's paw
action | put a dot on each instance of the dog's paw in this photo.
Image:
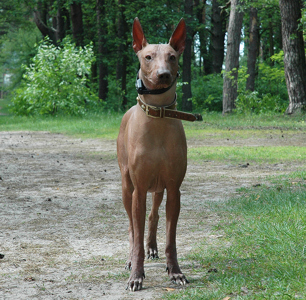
(128, 265)
(135, 282)
(176, 276)
(152, 253)
(179, 279)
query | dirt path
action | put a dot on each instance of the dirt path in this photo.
(63, 227)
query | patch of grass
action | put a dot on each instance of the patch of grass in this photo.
(249, 121)
(4, 106)
(216, 126)
(241, 133)
(106, 125)
(94, 125)
(268, 154)
(262, 254)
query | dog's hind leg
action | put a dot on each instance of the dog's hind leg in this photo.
(152, 251)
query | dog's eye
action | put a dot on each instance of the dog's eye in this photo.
(172, 57)
(148, 57)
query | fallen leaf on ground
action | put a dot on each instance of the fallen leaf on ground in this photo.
(169, 289)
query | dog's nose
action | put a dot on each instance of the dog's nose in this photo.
(163, 74)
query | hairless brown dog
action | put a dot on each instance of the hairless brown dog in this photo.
(152, 152)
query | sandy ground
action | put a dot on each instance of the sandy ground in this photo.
(63, 228)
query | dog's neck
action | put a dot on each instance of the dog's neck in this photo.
(163, 99)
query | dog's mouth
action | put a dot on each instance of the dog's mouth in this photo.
(159, 82)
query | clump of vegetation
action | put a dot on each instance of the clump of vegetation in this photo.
(271, 93)
(57, 81)
(261, 250)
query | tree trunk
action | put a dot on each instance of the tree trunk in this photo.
(122, 51)
(102, 51)
(294, 55)
(187, 95)
(60, 24)
(232, 57)
(217, 37)
(271, 41)
(40, 19)
(252, 49)
(201, 16)
(77, 23)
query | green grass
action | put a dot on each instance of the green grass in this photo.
(102, 125)
(106, 125)
(4, 106)
(243, 154)
(262, 253)
(234, 121)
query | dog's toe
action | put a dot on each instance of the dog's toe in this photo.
(179, 279)
(135, 284)
(152, 254)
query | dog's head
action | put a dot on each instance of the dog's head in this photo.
(159, 62)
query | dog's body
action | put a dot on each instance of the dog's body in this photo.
(152, 155)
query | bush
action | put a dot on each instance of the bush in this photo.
(251, 102)
(17, 49)
(206, 93)
(270, 93)
(271, 79)
(56, 81)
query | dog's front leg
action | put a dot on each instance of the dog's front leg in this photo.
(138, 217)
(127, 192)
(172, 214)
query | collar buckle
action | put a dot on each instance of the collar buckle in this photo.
(160, 109)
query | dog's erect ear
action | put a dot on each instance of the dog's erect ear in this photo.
(177, 40)
(139, 40)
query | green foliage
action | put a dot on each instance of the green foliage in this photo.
(17, 49)
(56, 81)
(158, 19)
(303, 22)
(270, 93)
(271, 79)
(115, 93)
(251, 102)
(207, 93)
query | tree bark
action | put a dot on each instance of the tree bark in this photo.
(102, 51)
(252, 49)
(200, 6)
(271, 40)
(217, 37)
(122, 51)
(60, 22)
(77, 23)
(294, 55)
(40, 19)
(187, 95)
(232, 57)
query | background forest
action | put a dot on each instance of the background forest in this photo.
(73, 56)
